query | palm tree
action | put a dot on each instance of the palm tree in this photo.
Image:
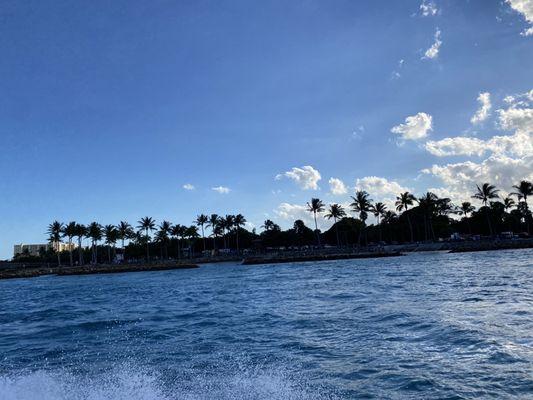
(403, 202)
(361, 204)
(428, 205)
(336, 211)
(524, 190)
(70, 231)
(485, 193)
(238, 222)
(94, 231)
(465, 209)
(55, 231)
(201, 220)
(316, 206)
(81, 232)
(111, 234)
(147, 224)
(378, 210)
(214, 222)
(191, 233)
(268, 225)
(388, 218)
(164, 231)
(508, 203)
(178, 232)
(125, 231)
(227, 226)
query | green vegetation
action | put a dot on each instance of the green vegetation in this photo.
(418, 219)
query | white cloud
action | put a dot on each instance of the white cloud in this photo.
(483, 111)
(415, 127)
(456, 146)
(221, 189)
(510, 159)
(519, 144)
(433, 51)
(379, 187)
(305, 177)
(524, 7)
(516, 118)
(337, 187)
(188, 186)
(428, 9)
(291, 212)
(500, 170)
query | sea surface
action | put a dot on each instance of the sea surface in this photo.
(443, 326)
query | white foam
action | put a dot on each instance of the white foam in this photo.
(132, 384)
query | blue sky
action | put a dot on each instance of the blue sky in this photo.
(108, 109)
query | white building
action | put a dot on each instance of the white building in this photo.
(35, 249)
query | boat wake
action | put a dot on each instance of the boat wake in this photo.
(137, 384)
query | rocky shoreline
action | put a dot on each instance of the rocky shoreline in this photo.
(315, 257)
(89, 270)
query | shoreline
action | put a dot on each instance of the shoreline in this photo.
(316, 257)
(89, 270)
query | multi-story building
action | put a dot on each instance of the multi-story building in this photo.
(35, 249)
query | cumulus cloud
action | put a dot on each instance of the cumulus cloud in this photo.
(500, 170)
(510, 157)
(456, 146)
(188, 186)
(291, 212)
(337, 187)
(483, 111)
(428, 9)
(305, 177)
(433, 51)
(519, 144)
(221, 189)
(524, 7)
(415, 127)
(379, 187)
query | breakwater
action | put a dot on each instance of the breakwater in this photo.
(13, 273)
(314, 257)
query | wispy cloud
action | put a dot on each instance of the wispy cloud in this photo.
(524, 7)
(483, 111)
(221, 189)
(428, 8)
(188, 186)
(433, 51)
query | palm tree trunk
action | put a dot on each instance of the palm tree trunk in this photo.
(488, 219)
(237, 239)
(410, 227)
(203, 236)
(379, 228)
(70, 251)
(109, 254)
(80, 252)
(147, 247)
(316, 230)
(337, 231)
(123, 251)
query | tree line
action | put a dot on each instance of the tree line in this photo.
(424, 218)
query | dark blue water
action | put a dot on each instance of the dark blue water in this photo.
(422, 326)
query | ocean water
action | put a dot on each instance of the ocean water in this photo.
(447, 326)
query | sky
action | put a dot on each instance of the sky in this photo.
(117, 110)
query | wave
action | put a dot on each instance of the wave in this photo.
(141, 384)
